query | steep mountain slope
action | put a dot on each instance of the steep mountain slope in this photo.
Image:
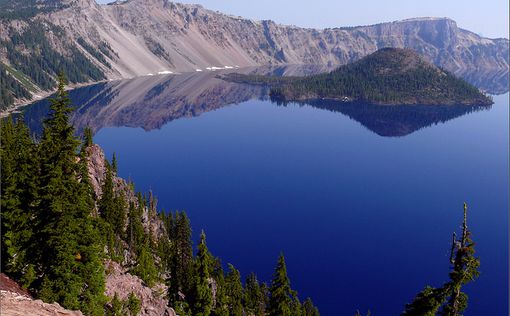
(140, 37)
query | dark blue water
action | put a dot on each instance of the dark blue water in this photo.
(364, 220)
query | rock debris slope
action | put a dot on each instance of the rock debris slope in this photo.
(160, 36)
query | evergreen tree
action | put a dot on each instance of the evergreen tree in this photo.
(87, 137)
(281, 294)
(145, 267)
(18, 156)
(202, 294)
(116, 307)
(254, 298)
(465, 270)
(181, 260)
(114, 164)
(221, 303)
(106, 202)
(309, 309)
(72, 270)
(449, 300)
(135, 232)
(133, 305)
(234, 291)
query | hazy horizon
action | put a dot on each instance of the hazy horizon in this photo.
(488, 19)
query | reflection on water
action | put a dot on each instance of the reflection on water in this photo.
(151, 102)
(492, 82)
(397, 120)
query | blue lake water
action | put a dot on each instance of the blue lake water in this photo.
(362, 200)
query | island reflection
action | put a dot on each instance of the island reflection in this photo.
(151, 102)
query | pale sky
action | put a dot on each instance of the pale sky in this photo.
(485, 17)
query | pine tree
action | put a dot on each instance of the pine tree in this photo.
(106, 202)
(309, 309)
(449, 300)
(114, 164)
(281, 294)
(465, 270)
(254, 298)
(18, 156)
(202, 294)
(221, 304)
(87, 137)
(133, 305)
(135, 233)
(72, 270)
(181, 260)
(116, 307)
(234, 291)
(145, 267)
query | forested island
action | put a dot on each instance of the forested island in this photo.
(69, 224)
(388, 76)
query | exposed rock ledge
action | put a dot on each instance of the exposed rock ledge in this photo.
(153, 300)
(14, 301)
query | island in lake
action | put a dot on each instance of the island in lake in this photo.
(388, 76)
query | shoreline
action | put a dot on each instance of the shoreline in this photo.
(15, 108)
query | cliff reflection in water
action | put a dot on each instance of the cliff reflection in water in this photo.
(151, 102)
(147, 102)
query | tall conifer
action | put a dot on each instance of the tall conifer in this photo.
(281, 294)
(19, 171)
(202, 294)
(72, 267)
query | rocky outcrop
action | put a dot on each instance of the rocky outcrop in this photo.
(118, 280)
(13, 304)
(15, 301)
(120, 283)
(158, 36)
(97, 170)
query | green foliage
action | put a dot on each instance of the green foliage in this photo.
(133, 305)
(67, 254)
(18, 190)
(112, 208)
(116, 307)
(128, 307)
(135, 234)
(88, 139)
(114, 164)
(234, 291)
(427, 302)
(202, 291)
(309, 309)
(145, 267)
(254, 296)
(281, 294)
(449, 300)
(180, 258)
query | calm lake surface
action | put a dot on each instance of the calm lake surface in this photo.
(362, 200)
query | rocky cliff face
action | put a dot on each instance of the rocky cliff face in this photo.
(140, 37)
(97, 170)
